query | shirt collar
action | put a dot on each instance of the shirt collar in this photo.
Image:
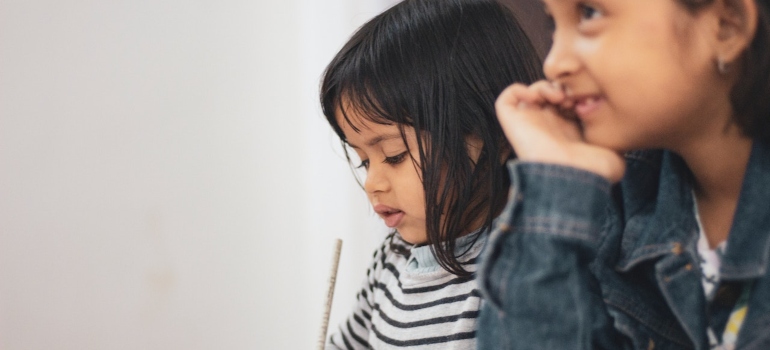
(421, 258)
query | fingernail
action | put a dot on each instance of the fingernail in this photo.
(522, 104)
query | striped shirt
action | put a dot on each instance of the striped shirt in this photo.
(408, 301)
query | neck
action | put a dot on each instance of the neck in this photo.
(714, 147)
(718, 162)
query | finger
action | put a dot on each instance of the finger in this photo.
(511, 100)
(551, 92)
(518, 93)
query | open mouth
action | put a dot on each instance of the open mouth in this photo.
(391, 216)
(586, 105)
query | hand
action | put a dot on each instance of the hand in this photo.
(540, 125)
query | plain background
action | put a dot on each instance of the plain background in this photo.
(167, 180)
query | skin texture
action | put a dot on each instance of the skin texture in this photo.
(621, 78)
(392, 173)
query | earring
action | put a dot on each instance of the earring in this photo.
(722, 66)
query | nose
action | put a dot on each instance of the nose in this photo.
(376, 179)
(561, 61)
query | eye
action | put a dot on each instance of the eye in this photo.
(364, 164)
(588, 12)
(395, 159)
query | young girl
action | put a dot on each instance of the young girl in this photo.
(412, 96)
(677, 254)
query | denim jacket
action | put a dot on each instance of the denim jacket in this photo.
(576, 263)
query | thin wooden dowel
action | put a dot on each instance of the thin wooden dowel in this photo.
(330, 293)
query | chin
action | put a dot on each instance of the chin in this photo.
(413, 238)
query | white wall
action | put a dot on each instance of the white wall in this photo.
(166, 178)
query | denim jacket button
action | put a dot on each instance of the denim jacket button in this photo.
(677, 249)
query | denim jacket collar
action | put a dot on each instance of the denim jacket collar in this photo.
(657, 200)
(660, 220)
(748, 245)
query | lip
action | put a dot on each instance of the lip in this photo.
(392, 216)
(586, 104)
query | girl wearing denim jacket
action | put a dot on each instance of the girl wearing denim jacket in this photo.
(411, 96)
(639, 212)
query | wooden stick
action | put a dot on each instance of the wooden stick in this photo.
(330, 293)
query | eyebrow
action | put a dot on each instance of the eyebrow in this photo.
(378, 139)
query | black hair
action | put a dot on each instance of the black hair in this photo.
(438, 66)
(750, 97)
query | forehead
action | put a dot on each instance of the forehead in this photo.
(361, 131)
(641, 8)
(353, 121)
(648, 17)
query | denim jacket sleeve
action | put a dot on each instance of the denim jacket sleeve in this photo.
(535, 273)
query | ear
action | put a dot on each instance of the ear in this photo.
(737, 28)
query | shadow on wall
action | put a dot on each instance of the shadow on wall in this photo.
(531, 15)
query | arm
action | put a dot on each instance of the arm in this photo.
(535, 274)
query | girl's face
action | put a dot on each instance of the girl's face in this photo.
(393, 181)
(642, 73)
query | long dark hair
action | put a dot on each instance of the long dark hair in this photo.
(438, 66)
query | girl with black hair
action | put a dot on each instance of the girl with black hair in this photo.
(639, 215)
(411, 96)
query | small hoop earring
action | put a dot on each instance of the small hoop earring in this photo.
(722, 66)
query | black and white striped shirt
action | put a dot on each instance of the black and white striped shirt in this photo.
(409, 302)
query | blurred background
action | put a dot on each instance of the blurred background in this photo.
(167, 180)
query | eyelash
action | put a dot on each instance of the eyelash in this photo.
(588, 12)
(395, 159)
(388, 160)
